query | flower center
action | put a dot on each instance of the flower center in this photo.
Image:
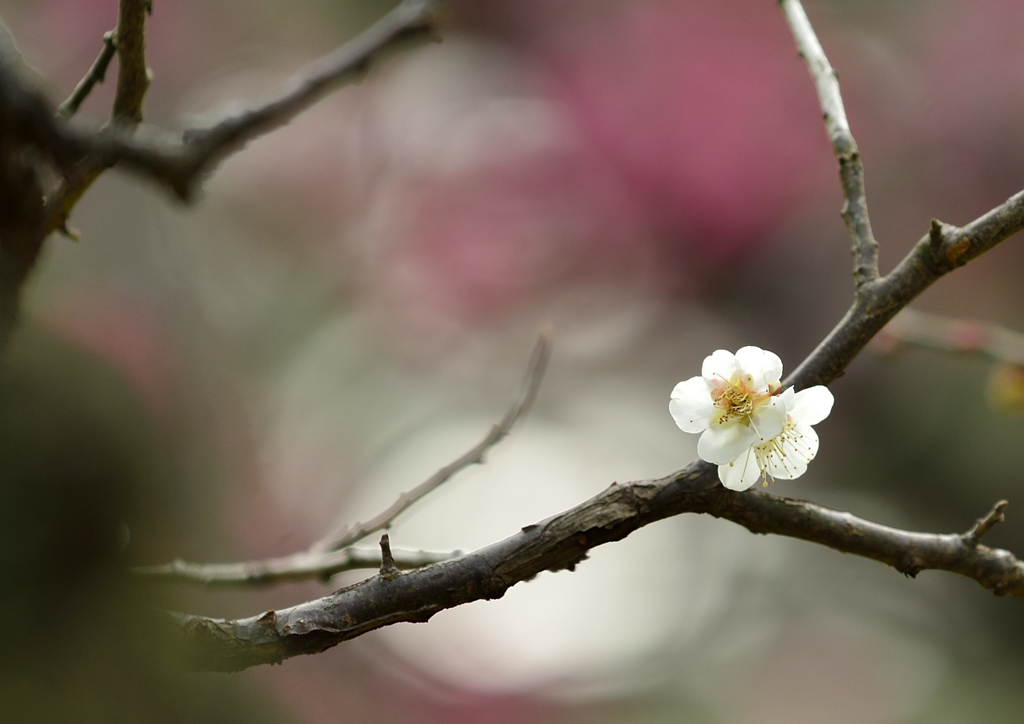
(736, 401)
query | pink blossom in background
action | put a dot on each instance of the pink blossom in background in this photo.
(685, 133)
(704, 112)
(488, 242)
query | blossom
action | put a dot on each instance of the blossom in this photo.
(786, 455)
(749, 428)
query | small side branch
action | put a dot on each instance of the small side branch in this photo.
(97, 73)
(844, 147)
(304, 566)
(333, 554)
(984, 524)
(347, 535)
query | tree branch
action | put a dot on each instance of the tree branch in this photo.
(205, 147)
(132, 83)
(301, 566)
(844, 147)
(179, 163)
(940, 251)
(97, 73)
(561, 542)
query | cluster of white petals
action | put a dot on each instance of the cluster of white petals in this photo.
(748, 427)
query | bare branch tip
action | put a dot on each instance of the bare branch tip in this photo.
(984, 524)
(541, 352)
(388, 569)
(97, 74)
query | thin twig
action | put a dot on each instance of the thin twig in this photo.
(132, 84)
(204, 147)
(97, 73)
(844, 147)
(332, 553)
(302, 566)
(179, 163)
(958, 336)
(984, 524)
(347, 535)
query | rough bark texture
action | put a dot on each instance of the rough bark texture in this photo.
(562, 542)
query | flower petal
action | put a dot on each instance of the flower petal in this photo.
(740, 474)
(787, 398)
(691, 405)
(718, 367)
(795, 448)
(812, 405)
(768, 419)
(721, 444)
(763, 367)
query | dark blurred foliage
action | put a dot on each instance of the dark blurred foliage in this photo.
(81, 473)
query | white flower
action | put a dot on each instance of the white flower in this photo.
(746, 427)
(732, 403)
(786, 455)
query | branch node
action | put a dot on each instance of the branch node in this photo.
(388, 569)
(984, 524)
(910, 564)
(936, 234)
